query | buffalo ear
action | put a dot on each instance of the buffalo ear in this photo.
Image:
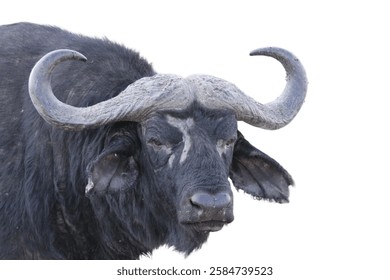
(258, 174)
(115, 168)
(112, 172)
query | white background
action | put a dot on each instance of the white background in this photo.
(337, 149)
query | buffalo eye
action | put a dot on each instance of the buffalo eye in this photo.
(155, 143)
(230, 142)
(224, 145)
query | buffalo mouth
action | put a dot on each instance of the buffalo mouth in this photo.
(206, 226)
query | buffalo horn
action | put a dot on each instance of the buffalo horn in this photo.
(158, 92)
(217, 93)
(142, 97)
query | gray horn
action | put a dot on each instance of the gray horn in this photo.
(144, 96)
(150, 94)
(217, 93)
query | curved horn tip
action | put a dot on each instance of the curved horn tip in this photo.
(290, 62)
(78, 56)
(39, 86)
(66, 54)
(283, 109)
(273, 52)
(50, 60)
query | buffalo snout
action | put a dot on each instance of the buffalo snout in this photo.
(207, 211)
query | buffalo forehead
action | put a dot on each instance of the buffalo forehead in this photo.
(183, 125)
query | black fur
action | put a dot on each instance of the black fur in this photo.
(134, 205)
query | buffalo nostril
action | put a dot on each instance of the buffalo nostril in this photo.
(211, 201)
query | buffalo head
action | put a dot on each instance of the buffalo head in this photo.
(173, 142)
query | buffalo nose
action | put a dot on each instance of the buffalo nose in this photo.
(207, 201)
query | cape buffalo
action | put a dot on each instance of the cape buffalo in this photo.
(123, 160)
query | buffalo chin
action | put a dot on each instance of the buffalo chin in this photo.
(206, 226)
(190, 236)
